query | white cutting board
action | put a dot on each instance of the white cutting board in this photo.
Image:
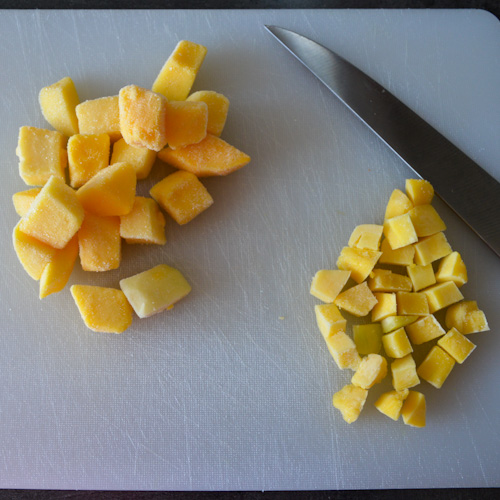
(232, 389)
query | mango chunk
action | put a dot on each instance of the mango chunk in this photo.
(142, 159)
(41, 154)
(398, 204)
(329, 319)
(366, 236)
(442, 295)
(425, 329)
(452, 268)
(431, 248)
(436, 367)
(399, 231)
(102, 309)
(100, 116)
(218, 106)
(23, 199)
(55, 214)
(185, 123)
(421, 276)
(414, 409)
(390, 403)
(396, 344)
(100, 243)
(328, 283)
(426, 220)
(359, 261)
(210, 157)
(343, 351)
(385, 306)
(110, 192)
(155, 290)
(87, 155)
(58, 102)
(412, 304)
(392, 323)
(466, 317)
(144, 223)
(357, 300)
(182, 196)
(371, 371)
(458, 346)
(404, 373)
(384, 280)
(419, 191)
(350, 401)
(403, 256)
(367, 338)
(179, 71)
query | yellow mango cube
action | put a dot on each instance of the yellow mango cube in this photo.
(185, 123)
(41, 154)
(179, 71)
(425, 329)
(426, 220)
(100, 116)
(155, 290)
(392, 323)
(466, 317)
(87, 155)
(329, 319)
(384, 280)
(442, 295)
(421, 276)
(396, 344)
(371, 371)
(144, 223)
(102, 309)
(343, 351)
(458, 346)
(419, 191)
(328, 283)
(412, 304)
(414, 409)
(142, 159)
(390, 403)
(404, 373)
(403, 256)
(210, 157)
(350, 401)
(366, 236)
(100, 243)
(23, 199)
(357, 300)
(452, 268)
(218, 106)
(436, 367)
(399, 231)
(110, 192)
(398, 204)
(367, 338)
(359, 261)
(182, 196)
(143, 116)
(55, 214)
(385, 306)
(431, 248)
(58, 102)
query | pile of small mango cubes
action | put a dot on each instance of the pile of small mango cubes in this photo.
(404, 272)
(84, 176)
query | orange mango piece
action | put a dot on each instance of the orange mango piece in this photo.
(142, 159)
(218, 107)
(144, 223)
(186, 123)
(23, 199)
(100, 116)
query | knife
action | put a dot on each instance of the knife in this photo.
(460, 182)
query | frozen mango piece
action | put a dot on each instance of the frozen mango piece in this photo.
(366, 236)
(100, 243)
(209, 157)
(367, 338)
(419, 191)
(142, 159)
(431, 248)
(458, 346)
(385, 306)
(185, 123)
(110, 192)
(218, 106)
(359, 261)
(23, 199)
(425, 329)
(328, 283)
(403, 256)
(87, 155)
(343, 351)
(371, 371)
(55, 214)
(398, 204)
(414, 410)
(155, 290)
(384, 280)
(350, 401)
(102, 309)
(57, 272)
(392, 323)
(466, 317)
(396, 344)
(436, 367)
(452, 268)
(41, 154)
(421, 276)
(442, 295)
(399, 231)
(32, 253)
(100, 116)
(144, 223)
(426, 220)
(179, 71)
(329, 319)
(390, 403)
(182, 196)
(58, 102)
(412, 304)
(404, 373)
(357, 300)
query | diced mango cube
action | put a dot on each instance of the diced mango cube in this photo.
(419, 191)
(328, 283)
(155, 290)
(458, 346)
(396, 344)
(110, 192)
(390, 403)
(55, 214)
(371, 371)
(144, 223)
(102, 309)
(384, 280)
(185, 123)
(182, 196)
(41, 154)
(58, 102)
(179, 71)
(100, 116)
(412, 304)
(403, 256)
(329, 319)
(343, 351)
(436, 367)
(399, 231)
(404, 373)
(366, 236)
(385, 306)
(357, 300)
(392, 323)
(360, 261)
(452, 268)
(210, 157)
(350, 401)
(142, 159)
(421, 276)
(367, 338)
(442, 295)
(218, 106)
(431, 248)
(398, 204)
(425, 329)
(23, 199)
(466, 317)
(414, 410)
(426, 220)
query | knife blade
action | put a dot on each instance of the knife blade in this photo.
(461, 183)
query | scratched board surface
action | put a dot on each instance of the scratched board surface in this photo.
(232, 388)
